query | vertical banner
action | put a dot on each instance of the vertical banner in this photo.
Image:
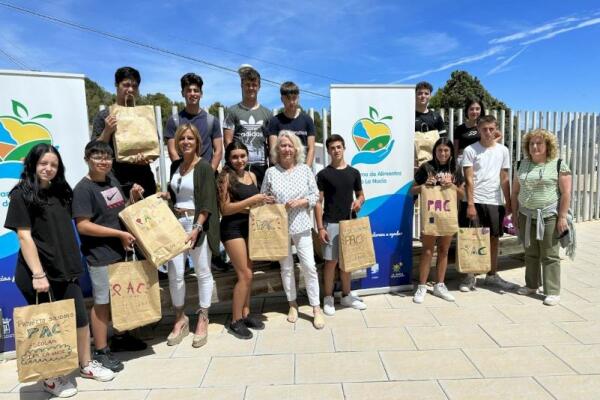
(35, 107)
(377, 124)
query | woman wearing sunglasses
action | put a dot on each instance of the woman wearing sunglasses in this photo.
(194, 195)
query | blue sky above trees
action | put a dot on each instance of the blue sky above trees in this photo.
(538, 55)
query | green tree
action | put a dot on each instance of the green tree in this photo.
(214, 108)
(460, 87)
(95, 95)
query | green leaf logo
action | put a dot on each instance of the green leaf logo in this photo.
(18, 108)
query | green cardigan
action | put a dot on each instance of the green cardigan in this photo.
(205, 199)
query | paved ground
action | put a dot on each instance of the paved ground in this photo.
(487, 345)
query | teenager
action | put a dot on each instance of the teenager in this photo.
(207, 125)
(104, 125)
(440, 171)
(97, 201)
(340, 198)
(426, 119)
(49, 265)
(246, 122)
(485, 165)
(293, 119)
(238, 191)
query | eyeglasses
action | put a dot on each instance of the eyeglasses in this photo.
(101, 159)
(178, 185)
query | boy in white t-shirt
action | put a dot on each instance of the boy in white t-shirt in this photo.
(486, 164)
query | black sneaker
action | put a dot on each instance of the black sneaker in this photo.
(108, 360)
(254, 322)
(240, 330)
(127, 342)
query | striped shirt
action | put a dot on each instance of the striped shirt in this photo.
(539, 183)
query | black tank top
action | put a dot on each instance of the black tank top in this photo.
(240, 191)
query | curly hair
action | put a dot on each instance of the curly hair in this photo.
(549, 138)
(300, 156)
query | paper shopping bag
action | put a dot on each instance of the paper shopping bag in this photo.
(46, 340)
(356, 244)
(439, 211)
(134, 294)
(268, 238)
(136, 133)
(424, 142)
(473, 251)
(158, 233)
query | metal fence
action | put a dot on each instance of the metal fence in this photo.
(577, 133)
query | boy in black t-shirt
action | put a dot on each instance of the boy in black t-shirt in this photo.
(104, 125)
(426, 119)
(338, 184)
(293, 119)
(97, 201)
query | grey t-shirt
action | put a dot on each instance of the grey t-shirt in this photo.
(249, 126)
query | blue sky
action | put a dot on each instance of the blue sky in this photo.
(534, 55)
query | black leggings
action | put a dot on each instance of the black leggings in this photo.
(61, 290)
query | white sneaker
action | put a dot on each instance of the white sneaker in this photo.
(525, 291)
(468, 283)
(351, 301)
(440, 290)
(357, 297)
(59, 387)
(420, 294)
(552, 300)
(95, 370)
(328, 307)
(495, 280)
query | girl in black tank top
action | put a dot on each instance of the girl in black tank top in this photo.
(237, 193)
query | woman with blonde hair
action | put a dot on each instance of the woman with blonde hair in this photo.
(193, 191)
(541, 196)
(291, 182)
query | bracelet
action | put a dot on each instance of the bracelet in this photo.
(321, 228)
(39, 276)
(197, 226)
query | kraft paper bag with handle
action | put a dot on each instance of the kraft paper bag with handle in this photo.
(268, 238)
(157, 231)
(46, 340)
(473, 251)
(439, 211)
(356, 244)
(424, 142)
(134, 294)
(136, 133)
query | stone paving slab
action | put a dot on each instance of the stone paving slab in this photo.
(488, 344)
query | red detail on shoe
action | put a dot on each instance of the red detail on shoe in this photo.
(51, 387)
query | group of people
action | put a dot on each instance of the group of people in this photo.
(267, 160)
(477, 165)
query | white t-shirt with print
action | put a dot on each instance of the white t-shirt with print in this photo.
(486, 163)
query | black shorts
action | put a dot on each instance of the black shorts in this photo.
(488, 216)
(61, 290)
(234, 228)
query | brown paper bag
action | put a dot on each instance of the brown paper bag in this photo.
(424, 142)
(356, 244)
(134, 294)
(268, 238)
(439, 211)
(136, 133)
(46, 340)
(158, 233)
(473, 251)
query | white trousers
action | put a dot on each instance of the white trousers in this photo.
(200, 257)
(304, 249)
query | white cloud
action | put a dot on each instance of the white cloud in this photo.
(535, 31)
(500, 67)
(584, 24)
(465, 60)
(429, 44)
